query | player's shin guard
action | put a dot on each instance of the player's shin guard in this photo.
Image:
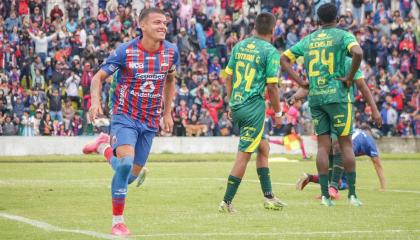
(337, 170)
(120, 183)
(351, 181)
(265, 181)
(232, 187)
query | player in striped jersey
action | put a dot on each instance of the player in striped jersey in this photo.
(147, 66)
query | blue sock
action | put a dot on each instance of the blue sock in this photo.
(120, 179)
(132, 178)
(114, 163)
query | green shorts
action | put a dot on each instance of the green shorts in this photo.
(333, 118)
(250, 119)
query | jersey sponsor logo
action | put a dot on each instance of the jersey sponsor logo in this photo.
(150, 76)
(135, 65)
(131, 52)
(122, 95)
(145, 94)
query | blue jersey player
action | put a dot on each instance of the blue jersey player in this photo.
(146, 74)
(363, 145)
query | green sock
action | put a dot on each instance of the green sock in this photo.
(323, 181)
(351, 181)
(330, 166)
(232, 187)
(337, 170)
(264, 176)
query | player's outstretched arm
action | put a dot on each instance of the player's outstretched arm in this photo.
(95, 93)
(380, 171)
(367, 96)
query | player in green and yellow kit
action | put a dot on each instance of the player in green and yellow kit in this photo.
(253, 67)
(324, 53)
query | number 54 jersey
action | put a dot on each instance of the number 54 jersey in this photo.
(253, 63)
(140, 79)
(324, 52)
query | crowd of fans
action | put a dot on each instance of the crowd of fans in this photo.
(48, 59)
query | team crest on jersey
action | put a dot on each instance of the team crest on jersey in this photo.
(321, 35)
(250, 46)
(147, 87)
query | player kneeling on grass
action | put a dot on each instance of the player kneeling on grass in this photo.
(363, 145)
(148, 67)
(253, 66)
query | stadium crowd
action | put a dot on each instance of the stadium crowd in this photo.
(48, 59)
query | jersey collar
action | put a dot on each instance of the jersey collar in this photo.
(141, 47)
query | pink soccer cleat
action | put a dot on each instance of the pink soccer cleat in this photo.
(333, 193)
(93, 147)
(120, 229)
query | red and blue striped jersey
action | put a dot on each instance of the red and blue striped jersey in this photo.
(140, 79)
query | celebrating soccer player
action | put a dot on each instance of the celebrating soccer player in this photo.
(253, 66)
(147, 66)
(324, 53)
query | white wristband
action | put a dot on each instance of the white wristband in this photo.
(278, 114)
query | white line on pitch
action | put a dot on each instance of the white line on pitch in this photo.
(254, 234)
(51, 228)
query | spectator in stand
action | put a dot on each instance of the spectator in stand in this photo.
(56, 13)
(46, 125)
(72, 88)
(55, 100)
(76, 126)
(9, 127)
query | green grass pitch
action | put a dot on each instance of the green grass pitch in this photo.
(179, 200)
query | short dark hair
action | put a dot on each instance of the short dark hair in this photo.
(265, 23)
(327, 13)
(146, 12)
